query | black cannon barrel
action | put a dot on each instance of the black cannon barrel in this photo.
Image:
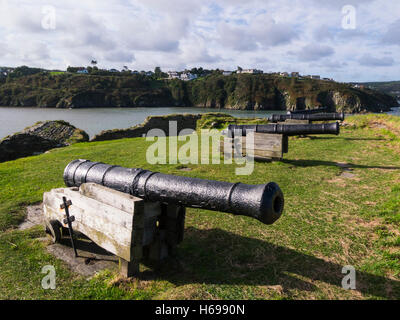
(286, 129)
(263, 202)
(310, 117)
(309, 111)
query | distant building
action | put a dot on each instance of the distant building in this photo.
(284, 74)
(5, 71)
(83, 71)
(295, 74)
(327, 79)
(227, 73)
(187, 76)
(251, 71)
(316, 77)
(113, 70)
(149, 73)
(173, 75)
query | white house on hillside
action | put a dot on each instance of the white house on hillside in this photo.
(173, 75)
(227, 73)
(187, 76)
(251, 71)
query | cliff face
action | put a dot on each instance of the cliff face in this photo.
(242, 92)
(263, 92)
(40, 138)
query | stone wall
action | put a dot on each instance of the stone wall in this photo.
(184, 121)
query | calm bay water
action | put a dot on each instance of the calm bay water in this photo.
(395, 111)
(94, 120)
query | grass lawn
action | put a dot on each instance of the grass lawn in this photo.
(342, 207)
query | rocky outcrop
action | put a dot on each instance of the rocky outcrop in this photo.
(183, 121)
(241, 92)
(39, 138)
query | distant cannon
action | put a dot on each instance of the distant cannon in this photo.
(284, 129)
(308, 117)
(269, 141)
(263, 202)
(309, 111)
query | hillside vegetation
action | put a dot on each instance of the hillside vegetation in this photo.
(342, 207)
(389, 87)
(238, 91)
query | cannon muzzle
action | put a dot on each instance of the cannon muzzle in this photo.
(286, 129)
(264, 202)
(307, 116)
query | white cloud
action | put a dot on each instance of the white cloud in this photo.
(290, 35)
(369, 60)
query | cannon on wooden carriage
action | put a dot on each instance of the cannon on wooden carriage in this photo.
(307, 117)
(269, 141)
(285, 129)
(137, 213)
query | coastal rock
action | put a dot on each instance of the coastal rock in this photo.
(183, 121)
(39, 138)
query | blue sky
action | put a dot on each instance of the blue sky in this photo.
(308, 36)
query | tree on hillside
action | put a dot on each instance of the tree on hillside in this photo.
(157, 72)
(93, 62)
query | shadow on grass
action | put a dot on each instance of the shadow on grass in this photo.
(347, 139)
(220, 257)
(315, 163)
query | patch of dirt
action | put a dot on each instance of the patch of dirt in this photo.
(378, 125)
(91, 258)
(348, 175)
(34, 217)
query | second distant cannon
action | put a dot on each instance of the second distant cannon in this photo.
(307, 116)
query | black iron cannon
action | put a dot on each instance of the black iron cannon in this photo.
(309, 111)
(309, 117)
(285, 129)
(264, 202)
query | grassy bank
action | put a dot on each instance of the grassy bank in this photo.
(342, 203)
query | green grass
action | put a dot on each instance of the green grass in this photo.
(329, 221)
(56, 73)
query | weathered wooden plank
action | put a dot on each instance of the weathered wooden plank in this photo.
(122, 229)
(264, 153)
(109, 244)
(96, 210)
(107, 226)
(116, 199)
(128, 268)
(91, 219)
